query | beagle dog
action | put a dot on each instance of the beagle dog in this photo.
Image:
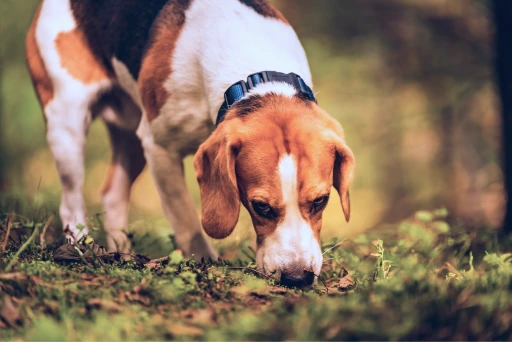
(161, 73)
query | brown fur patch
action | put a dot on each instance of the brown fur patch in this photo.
(78, 59)
(262, 7)
(156, 66)
(40, 79)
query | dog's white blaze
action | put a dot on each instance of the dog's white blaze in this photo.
(288, 176)
(292, 246)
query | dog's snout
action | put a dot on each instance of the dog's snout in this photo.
(297, 280)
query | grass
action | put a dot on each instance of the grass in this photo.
(420, 279)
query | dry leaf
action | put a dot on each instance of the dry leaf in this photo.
(66, 252)
(9, 313)
(141, 259)
(346, 283)
(98, 303)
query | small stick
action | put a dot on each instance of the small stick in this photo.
(42, 241)
(22, 248)
(9, 224)
(336, 245)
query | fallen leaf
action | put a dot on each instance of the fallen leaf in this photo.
(66, 252)
(98, 303)
(141, 259)
(71, 252)
(9, 313)
(346, 283)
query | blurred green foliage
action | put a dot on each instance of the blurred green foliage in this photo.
(410, 81)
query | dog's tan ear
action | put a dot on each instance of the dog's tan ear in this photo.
(343, 174)
(214, 163)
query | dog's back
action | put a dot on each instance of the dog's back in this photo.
(120, 29)
(126, 29)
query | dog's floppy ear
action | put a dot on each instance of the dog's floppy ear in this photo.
(343, 174)
(214, 163)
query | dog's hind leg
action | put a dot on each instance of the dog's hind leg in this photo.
(122, 117)
(126, 165)
(66, 138)
(68, 79)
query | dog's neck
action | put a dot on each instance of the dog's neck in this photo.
(262, 83)
(236, 42)
(216, 90)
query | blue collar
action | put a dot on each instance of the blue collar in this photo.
(237, 90)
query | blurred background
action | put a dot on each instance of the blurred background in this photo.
(411, 81)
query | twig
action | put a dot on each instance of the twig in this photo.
(323, 282)
(9, 224)
(162, 259)
(336, 245)
(249, 269)
(22, 248)
(42, 241)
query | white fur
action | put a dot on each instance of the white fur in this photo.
(292, 247)
(279, 88)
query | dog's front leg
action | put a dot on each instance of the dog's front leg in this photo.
(166, 167)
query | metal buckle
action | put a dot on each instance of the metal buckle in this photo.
(262, 76)
(280, 77)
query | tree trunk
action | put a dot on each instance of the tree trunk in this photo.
(503, 20)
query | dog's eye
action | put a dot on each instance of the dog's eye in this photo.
(320, 202)
(263, 209)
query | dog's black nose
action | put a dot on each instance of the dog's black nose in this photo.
(294, 280)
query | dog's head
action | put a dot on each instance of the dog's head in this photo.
(279, 156)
